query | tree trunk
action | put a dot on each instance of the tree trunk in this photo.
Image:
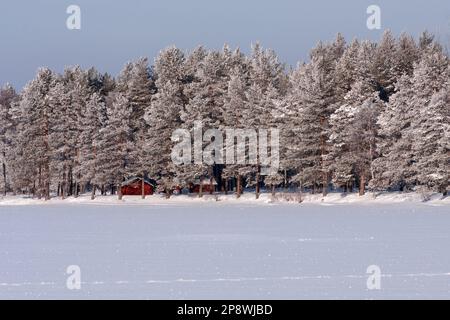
(63, 190)
(47, 159)
(285, 181)
(238, 187)
(93, 192)
(322, 159)
(67, 188)
(444, 191)
(200, 190)
(362, 185)
(33, 192)
(119, 192)
(325, 184)
(225, 186)
(76, 190)
(300, 200)
(143, 186)
(273, 190)
(40, 184)
(47, 190)
(4, 178)
(69, 182)
(257, 185)
(63, 186)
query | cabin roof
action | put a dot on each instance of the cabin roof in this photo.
(136, 179)
(206, 182)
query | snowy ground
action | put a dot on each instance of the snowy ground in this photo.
(197, 249)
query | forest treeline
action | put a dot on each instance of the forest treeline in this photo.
(357, 116)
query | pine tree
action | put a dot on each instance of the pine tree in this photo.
(385, 65)
(191, 65)
(431, 142)
(407, 54)
(426, 40)
(115, 144)
(347, 70)
(428, 122)
(235, 101)
(78, 87)
(289, 117)
(341, 146)
(8, 96)
(393, 167)
(61, 136)
(273, 181)
(404, 122)
(364, 138)
(34, 135)
(315, 93)
(94, 121)
(137, 84)
(365, 65)
(163, 116)
(354, 133)
(268, 83)
(206, 106)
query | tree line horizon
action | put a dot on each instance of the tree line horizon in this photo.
(357, 116)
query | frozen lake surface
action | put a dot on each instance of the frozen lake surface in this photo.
(208, 250)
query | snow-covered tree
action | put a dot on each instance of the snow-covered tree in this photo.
(115, 144)
(426, 40)
(364, 138)
(385, 65)
(314, 94)
(353, 138)
(235, 101)
(8, 96)
(62, 136)
(429, 121)
(404, 123)
(206, 104)
(346, 69)
(94, 121)
(77, 90)
(341, 155)
(273, 181)
(136, 83)
(407, 54)
(431, 141)
(163, 116)
(34, 154)
(268, 82)
(393, 167)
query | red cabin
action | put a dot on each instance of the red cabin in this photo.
(208, 186)
(133, 187)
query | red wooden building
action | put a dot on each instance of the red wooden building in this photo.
(133, 187)
(208, 186)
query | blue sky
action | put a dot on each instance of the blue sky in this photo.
(34, 33)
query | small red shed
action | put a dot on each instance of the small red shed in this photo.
(133, 187)
(208, 186)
